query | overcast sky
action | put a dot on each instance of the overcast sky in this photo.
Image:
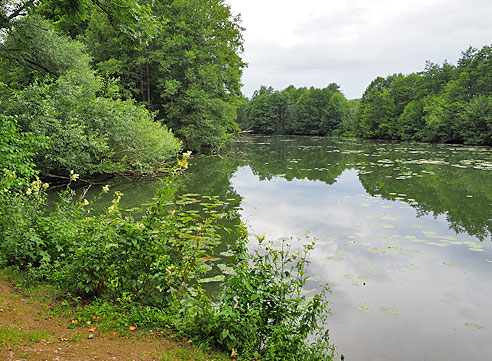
(350, 42)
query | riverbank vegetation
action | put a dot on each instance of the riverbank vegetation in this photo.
(149, 271)
(443, 103)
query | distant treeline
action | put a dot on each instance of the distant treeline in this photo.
(443, 103)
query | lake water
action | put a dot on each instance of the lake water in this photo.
(403, 235)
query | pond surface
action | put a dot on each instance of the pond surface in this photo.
(403, 235)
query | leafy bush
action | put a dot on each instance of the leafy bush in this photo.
(57, 94)
(17, 151)
(263, 311)
(90, 134)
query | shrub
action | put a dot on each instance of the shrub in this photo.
(263, 311)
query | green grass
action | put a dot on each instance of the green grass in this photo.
(9, 337)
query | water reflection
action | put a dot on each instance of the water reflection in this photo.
(439, 180)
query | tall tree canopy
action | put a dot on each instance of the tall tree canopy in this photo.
(296, 111)
(189, 72)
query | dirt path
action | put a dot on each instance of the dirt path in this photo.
(27, 333)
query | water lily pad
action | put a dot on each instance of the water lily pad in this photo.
(358, 283)
(227, 253)
(385, 225)
(305, 292)
(473, 244)
(349, 276)
(415, 251)
(429, 234)
(228, 270)
(456, 242)
(217, 278)
(450, 264)
(364, 277)
(473, 249)
(205, 268)
(488, 260)
(365, 309)
(389, 311)
(372, 268)
(341, 252)
(413, 266)
(335, 258)
(474, 325)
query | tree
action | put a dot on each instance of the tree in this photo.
(411, 121)
(189, 72)
(262, 117)
(377, 110)
(316, 113)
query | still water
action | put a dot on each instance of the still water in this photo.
(403, 235)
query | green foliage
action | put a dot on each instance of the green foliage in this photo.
(476, 121)
(33, 51)
(189, 71)
(263, 312)
(263, 114)
(17, 151)
(91, 130)
(411, 120)
(441, 104)
(90, 134)
(377, 111)
(296, 111)
(128, 16)
(20, 212)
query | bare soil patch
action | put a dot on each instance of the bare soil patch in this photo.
(28, 332)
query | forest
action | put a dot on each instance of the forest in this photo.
(443, 104)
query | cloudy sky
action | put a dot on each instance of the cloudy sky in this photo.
(350, 42)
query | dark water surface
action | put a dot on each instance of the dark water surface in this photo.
(403, 235)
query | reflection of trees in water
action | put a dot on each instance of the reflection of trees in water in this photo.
(427, 175)
(430, 176)
(292, 158)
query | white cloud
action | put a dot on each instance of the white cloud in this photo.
(350, 42)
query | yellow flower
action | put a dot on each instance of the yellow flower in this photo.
(106, 188)
(73, 176)
(85, 203)
(186, 155)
